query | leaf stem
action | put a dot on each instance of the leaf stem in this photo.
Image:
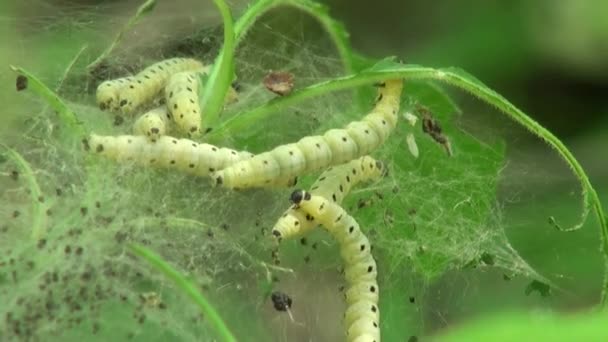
(220, 78)
(38, 220)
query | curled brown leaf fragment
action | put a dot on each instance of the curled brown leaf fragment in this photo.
(432, 127)
(279, 82)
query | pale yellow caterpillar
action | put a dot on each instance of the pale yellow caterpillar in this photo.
(152, 124)
(128, 93)
(109, 91)
(333, 184)
(314, 153)
(362, 316)
(181, 95)
(167, 152)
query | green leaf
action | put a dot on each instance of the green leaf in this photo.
(68, 118)
(386, 69)
(531, 327)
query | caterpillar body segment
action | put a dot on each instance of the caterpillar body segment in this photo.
(362, 316)
(152, 124)
(149, 83)
(181, 95)
(167, 152)
(309, 154)
(334, 184)
(108, 93)
(129, 93)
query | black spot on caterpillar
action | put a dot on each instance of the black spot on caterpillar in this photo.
(21, 83)
(128, 93)
(167, 152)
(362, 315)
(314, 153)
(333, 184)
(153, 124)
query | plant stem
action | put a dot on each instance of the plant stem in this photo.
(188, 288)
(38, 215)
(220, 78)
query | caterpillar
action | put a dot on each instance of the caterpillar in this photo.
(167, 152)
(181, 95)
(313, 153)
(362, 315)
(334, 183)
(128, 93)
(152, 124)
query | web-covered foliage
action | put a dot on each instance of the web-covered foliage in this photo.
(430, 216)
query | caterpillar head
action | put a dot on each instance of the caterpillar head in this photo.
(298, 196)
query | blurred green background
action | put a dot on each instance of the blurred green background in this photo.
(550, 58)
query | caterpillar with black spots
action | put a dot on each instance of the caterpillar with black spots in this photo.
(153, 124)
(335, 183)
(362, 316)
(128, 93)
(314, 153)
(181, 95)
(185, 155)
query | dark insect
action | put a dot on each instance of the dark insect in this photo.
(432, 127)
(279, 82)
(21, 83)
(281, 301)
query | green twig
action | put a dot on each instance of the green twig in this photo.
(388, 69)
(220, 78)
(188, 288)
(69, 68)
(66, 116)
(38, 210)
(142, 10)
